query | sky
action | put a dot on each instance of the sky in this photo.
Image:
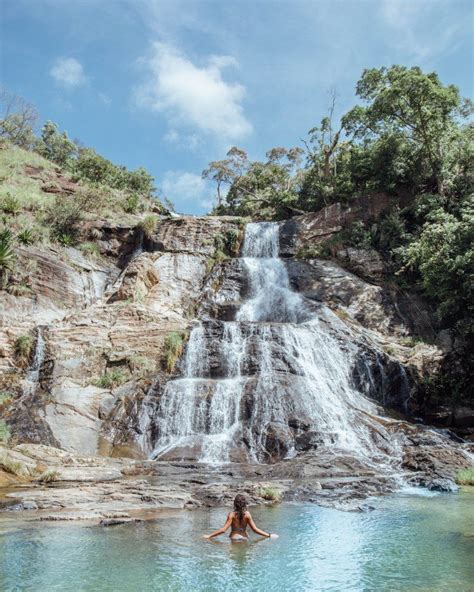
(172, 84)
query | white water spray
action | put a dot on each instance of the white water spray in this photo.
(301, 373)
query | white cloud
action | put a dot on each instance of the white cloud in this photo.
(192, 96)
(104, 98)
(406, 23)
(186, 141)
(181, 186)
(68, 72)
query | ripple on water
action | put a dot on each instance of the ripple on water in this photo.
(397, 546)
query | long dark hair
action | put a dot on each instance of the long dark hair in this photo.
(240, 505)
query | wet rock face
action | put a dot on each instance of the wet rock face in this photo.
(116, 317)
(372, 306)
(101, 319)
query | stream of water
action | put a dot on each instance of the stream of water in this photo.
(407, 543)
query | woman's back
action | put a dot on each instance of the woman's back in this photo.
(239, 523)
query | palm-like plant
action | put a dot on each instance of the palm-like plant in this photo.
(7, 255)
(25, 237)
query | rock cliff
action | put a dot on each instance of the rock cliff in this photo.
(109, 332)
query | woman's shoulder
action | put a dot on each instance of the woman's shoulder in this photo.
(247, 514)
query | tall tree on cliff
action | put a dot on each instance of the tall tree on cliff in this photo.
(405, 102)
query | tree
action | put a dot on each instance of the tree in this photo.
(18, 120)
(406, 101)
(56, 146)
(264, 189)
(227, 171)
(443, 255)
(324, 140)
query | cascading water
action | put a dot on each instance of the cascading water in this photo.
(32, 374)
(280, 373)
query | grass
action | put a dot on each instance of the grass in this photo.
(148, 225)
(23, 349)
(111, 379)
(25, 205)
(90, 249)
(48, 476)
(4, 431)
(16, 185)
(173, 348)
(11, 466)
(140, 366)
(271, 494)
(465, 477)
(5, 398)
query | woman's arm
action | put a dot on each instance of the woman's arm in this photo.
(254, 527)
(221, 530)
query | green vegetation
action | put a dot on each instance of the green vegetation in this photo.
(229, 242)
(63, 217)
(48, 476)
(25, 236)
(465, 477)
(11, 466)
(5, 398)
(4, 431)
(270, 494)
(140, 366)
(90, 249)
(111, 379)
(7, 255)
(51, 185)
(173, 348)
(409, 139)
(148, 225)
(23, 349)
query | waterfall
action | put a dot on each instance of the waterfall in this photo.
(256, 385)
(32, 375)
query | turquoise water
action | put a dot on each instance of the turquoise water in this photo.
(409, 543)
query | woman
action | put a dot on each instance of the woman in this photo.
(239, 519)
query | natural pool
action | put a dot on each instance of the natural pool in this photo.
(408, 542)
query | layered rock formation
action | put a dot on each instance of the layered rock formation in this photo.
(94, 381)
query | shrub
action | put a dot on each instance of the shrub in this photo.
(10, 204)
(7, 255)
(173, 348)
(148, 225)
(5, 398)
(48, 476)
(93, 198)
(90, 249)
(56, 146)
(64, 217)
(141, 366)
(4, 431)
(228, 243)
(23, 349)
(111, 378)
(270, 494)
(25, 236)
(465, 477)
(131, 203)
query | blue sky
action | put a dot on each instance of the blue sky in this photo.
(172, 84)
